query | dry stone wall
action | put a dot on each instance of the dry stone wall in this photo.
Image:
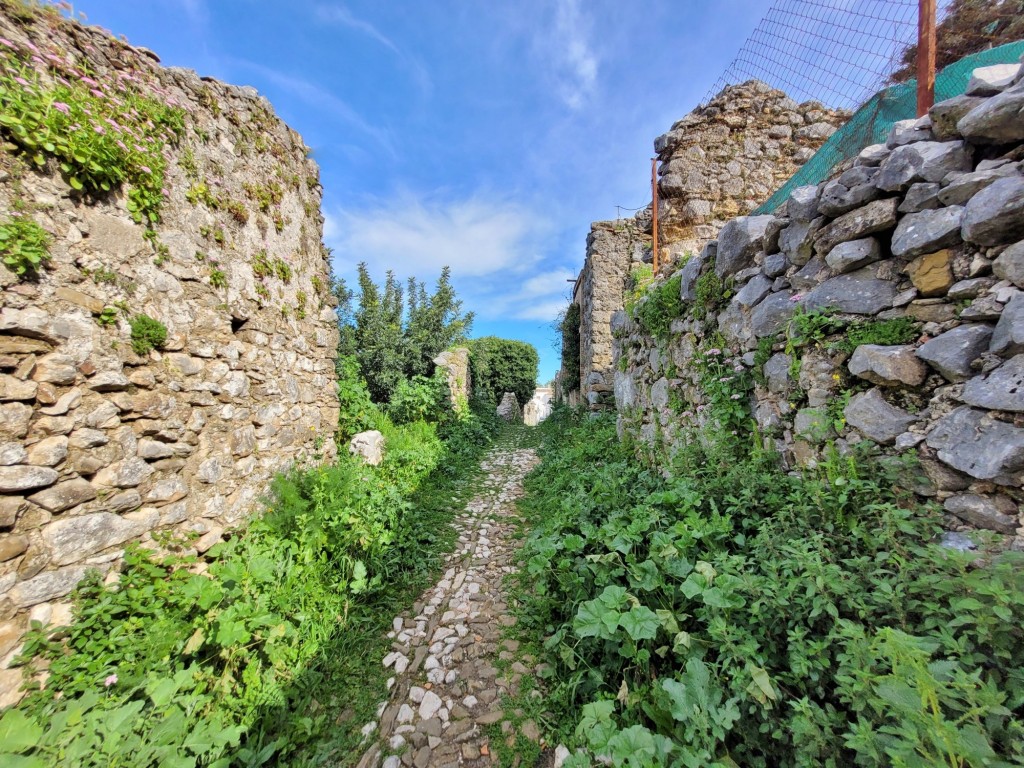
(883, 305)
(613, 247)
(100, 446)
(727, 157)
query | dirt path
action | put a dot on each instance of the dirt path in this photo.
(446, 689)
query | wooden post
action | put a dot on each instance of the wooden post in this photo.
(654, 213)
(925, 56)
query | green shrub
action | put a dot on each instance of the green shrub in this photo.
(711, 292)
(663, 305)
(358, 412)
(897, 330)
(147, 333)
(24, 246)
(570, 330)
(640, 276)
(498, 366)
(420, 399)
(737, 614)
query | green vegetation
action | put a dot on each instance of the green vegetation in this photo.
(147, 333)
(232, 665)
(569, 327)
(498, 366)
(395, 335)
(640, 277)
(663, 305)
(107, 316)
(711, 293)
(24, 246)
(102, 135)
(736, 614)
(898, 330)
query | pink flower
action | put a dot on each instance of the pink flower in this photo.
(796, 297)
(89, 81)
(60, 106)
(21, 81)
(145, 169)
(110, 680)
(5, 41)
(714, 351)
(99, 129)
(121, 145)
(97, 93)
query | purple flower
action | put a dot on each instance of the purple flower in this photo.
(5, 41)
(60, 106)
(145, 169)
(110, 680)
(97, 93)
(21, 81)
(99, 129)
(714, 351)
(89, 81)
(796, 297)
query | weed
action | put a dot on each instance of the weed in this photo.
(24, 246)
(147, 333)
(663, 305)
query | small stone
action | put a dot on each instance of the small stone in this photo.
(18, 478)
(871, 415)
(932, 273)
(1008, 337)
(1001, 390)
(978, 445)
(853, 254)
(952, 353)
(369, 445)
(995, 514)
(927, 231)
(429, 706)
(894, 366)
(65, 495)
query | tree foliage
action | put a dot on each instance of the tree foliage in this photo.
(498, 366)
(394, 333)
(570, 328)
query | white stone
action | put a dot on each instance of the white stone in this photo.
(430, 705)
(405, 714)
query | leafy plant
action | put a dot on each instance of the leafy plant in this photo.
(107, 316)
(894, 331)
(420, 399)
(147, 333)
(503, 365)
(663, 305)
(570, 330)
(24, 246)
(218, 279)
(711, 292)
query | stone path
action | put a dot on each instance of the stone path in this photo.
(446, 689)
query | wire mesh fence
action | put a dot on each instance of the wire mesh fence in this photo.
(833, 51)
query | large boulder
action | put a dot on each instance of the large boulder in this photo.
(952, 352)
(996, 214)
(1001, 390)
(979, 446)
(369, 445)
(927, 231)
(876, 216)
(738, 243)
(995, 514)
(923, 161)
(946, 114)
(858, 293)
(997, 120)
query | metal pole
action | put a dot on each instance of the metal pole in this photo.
(925, 56)
(654, 213)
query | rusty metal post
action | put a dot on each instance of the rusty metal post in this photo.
(654, 213)
(925, 56)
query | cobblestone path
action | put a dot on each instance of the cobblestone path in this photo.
(445, 689)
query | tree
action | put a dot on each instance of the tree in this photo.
(435, 323)
(380, 344)
(503, 365)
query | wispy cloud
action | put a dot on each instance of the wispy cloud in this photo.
(476, 236)
(337, 13)
(316, 96)
(568, 50)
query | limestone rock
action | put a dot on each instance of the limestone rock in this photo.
(126, 473)
(13, 389)
(369, 445)
(46, 586)
(932, 273)
(75, 538)
(896, 366)
(853, 188)
(952, 353)
(996, 120)
(978, 445)
(1008, 338)
(692, 270)
(946, 114)
(921, 197)
(963, 186)
(871, 415)
(802, 204)
(1001, 390)
(17, 478)
(56, 369)
(996, 214)
(853, 254)
(109, 381)
(755, 290)
(872, 155)
(12, 453)
(14, 420)
(49, 452)
(988, 81)
(858, 293)
(771, 315)
(1010, 264)
(625, 392)
(905, 132)
(876, 216)
(927, 231)
(738, 242)
(455, 364)
(508, 408)
(994, 514)
(923, 161)
(797, 240)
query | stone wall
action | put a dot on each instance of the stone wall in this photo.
(99, 445)
(727, 157)
(923, 238)
(613, 247)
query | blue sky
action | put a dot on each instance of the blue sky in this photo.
(483, 135)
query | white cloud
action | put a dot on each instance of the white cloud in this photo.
(339, 14)
(567, 49)
(476, 237)
(315, 96)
